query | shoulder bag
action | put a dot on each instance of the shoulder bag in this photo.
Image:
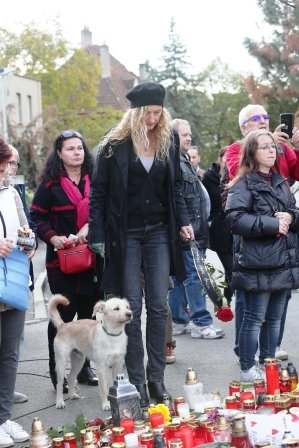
(14, 277)
(74, 259)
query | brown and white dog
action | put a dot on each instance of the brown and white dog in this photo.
(103, 342)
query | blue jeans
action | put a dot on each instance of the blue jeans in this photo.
(261, 322)
(239, 311)
(190, 292)
(147, 248)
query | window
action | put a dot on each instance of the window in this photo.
(19, 109)
(29, 107)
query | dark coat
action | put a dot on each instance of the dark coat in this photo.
(220, 238)
(54, 214)
(250, 208)
(108, 210)
(195, 202)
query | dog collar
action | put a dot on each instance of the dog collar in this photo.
(111, 334)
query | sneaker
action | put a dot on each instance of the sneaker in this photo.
(5, 440)
(178, 329)
(281, 354)
(19, 398)
(248, 376)
(209, 332)
(14, 431)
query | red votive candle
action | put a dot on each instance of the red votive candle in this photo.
(272, 376)
(156, 419)
(127, 424)
(186, 436)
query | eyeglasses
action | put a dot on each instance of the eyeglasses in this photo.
(70, 133)
(258, 117)
(13, 163)
(271, 146)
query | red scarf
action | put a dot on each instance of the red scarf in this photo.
(76, 198)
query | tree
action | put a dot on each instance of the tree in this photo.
(279, 59)
(69, 80)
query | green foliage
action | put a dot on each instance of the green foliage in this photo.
(33, 51)
(69, 427)
(279, 58)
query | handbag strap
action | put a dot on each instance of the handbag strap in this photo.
(3, 223)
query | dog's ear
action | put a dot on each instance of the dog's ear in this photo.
(98, 308)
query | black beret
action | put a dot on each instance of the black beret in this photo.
(146, 94)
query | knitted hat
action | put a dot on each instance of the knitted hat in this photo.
(146, 94)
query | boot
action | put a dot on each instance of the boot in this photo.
(170, 356)
(53, 377)
(86, 375)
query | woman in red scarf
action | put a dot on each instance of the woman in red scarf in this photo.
(59, 209)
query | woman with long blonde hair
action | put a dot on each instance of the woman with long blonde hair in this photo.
(136, 212)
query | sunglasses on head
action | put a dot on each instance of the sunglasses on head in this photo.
(70, 133)
(258, 117)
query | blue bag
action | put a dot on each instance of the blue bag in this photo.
(14, 280)
(14, 277)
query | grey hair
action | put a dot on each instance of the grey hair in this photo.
(245, 112)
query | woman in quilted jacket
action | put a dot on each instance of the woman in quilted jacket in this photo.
(261, 209)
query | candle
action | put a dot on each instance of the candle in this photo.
(186, 436)
(156, 419)
(272, 376)
(127, 424)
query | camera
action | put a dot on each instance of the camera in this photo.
(25, 241)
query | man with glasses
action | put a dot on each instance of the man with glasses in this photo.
(252, 117)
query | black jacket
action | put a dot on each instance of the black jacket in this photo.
(220, 238)
(195, 202)
(250, 208)
(108, 210)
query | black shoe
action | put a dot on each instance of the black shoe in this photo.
(144, 400)
(53, 377)
(157, 391)
(86, 376)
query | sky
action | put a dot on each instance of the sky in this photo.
(137, 30)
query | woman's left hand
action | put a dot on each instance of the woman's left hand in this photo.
(82, 234)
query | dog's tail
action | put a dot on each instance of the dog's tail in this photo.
(57, 299)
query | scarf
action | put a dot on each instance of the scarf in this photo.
(76, 198)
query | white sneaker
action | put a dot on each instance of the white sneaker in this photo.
(14, 431)
(5, 440)
(209, 332)
(178, 329)
(281, 354)
(255, 373)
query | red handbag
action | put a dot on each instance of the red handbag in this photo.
(75, 258)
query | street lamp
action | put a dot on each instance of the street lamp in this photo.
(4, 72)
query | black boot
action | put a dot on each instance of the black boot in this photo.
(157, 391)
(86, 375)
(53, 377)
(144, 400)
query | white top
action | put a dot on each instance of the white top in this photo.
(147, 162)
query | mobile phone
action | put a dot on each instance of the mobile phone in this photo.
(288, 121)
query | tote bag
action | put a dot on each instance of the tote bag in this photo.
(14, 277)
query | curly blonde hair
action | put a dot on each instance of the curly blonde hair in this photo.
(133, 126)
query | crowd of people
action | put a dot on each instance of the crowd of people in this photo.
(138, 205)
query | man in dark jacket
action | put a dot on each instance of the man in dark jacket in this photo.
(197, 320)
